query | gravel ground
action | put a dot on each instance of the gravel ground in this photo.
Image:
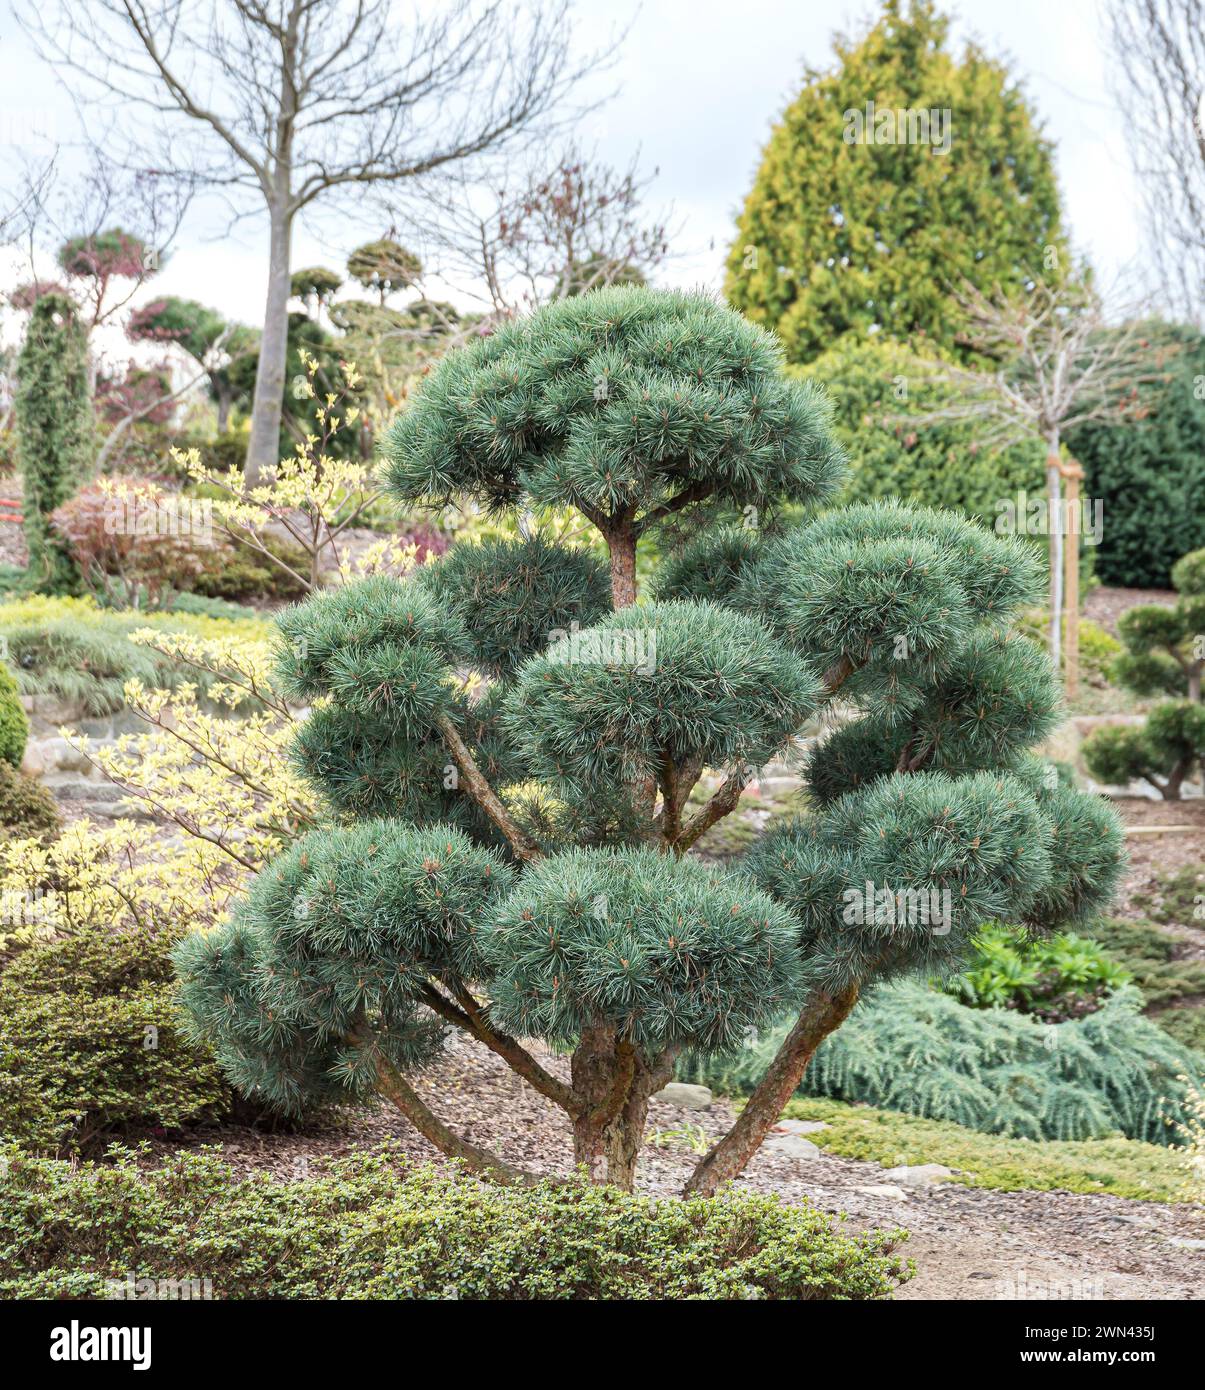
(1105, 605)
(967, 1243)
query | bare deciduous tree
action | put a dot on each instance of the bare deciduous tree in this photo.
(109, 231)
(1058, 363)
(503, 246)
(1159, 47)
(280, 103)
(541, 233)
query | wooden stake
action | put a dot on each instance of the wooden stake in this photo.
(1074, 474)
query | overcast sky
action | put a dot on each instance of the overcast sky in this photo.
(699, 84)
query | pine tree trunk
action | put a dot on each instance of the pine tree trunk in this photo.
(593, 1071)
(821, 1015)
(621, 542)
(625, 1136)
(264, 446)
(1175, 779)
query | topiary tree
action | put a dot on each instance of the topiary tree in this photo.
(384, 267)
(206, 336)
(55, 430)
(1164, 655)
(516, 864)
(895, 177)
(315, 286)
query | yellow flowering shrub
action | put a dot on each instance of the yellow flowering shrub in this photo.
(97, 875)
(313, 498)
(219, 771)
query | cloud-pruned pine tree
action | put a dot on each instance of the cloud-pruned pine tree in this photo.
(1164, 655)
(515, 864)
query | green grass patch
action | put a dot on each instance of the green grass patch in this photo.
(1119, 1167)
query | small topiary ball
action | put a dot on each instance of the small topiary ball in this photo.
(688, 680)
(709, 566)
(14, 724)
(367, 642)
(1188, 573)
(664, 950)
(515, 595)
(347, 925)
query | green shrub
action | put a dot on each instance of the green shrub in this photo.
(233, 571)
(918, 1050)
(56, 432)
(14, 726)
(1163, 751)
(1151, 466)
(221, 452)
(545, 588)
(89, 1042)
(1053, 978)
(360, 1229)
(1098, 650)
(1161, 656)
(80, 661)
(874, 386)
(27, 809)
(1171, 982)
(198, 605)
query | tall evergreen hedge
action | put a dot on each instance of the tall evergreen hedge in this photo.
(849, 229)
(1149, 473)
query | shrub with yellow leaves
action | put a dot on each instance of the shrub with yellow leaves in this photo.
(218, 771)
(312, 498)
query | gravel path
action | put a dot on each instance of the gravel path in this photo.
(967, 1243)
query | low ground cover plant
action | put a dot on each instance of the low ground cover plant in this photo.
(377, 1226)
(1121, 1167)
(1170, 979)
(80, 654)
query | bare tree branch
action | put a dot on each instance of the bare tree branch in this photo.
(1159, 79)
(280, 105)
